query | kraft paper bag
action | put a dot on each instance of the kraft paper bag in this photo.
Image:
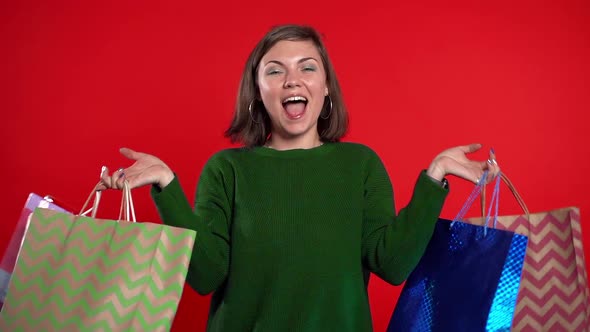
(78, 273)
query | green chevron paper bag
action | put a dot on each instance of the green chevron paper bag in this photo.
(77, 273)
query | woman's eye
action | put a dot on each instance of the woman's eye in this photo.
(273, 72)
(309, 69)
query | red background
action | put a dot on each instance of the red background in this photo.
(80, 80)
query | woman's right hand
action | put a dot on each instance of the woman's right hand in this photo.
(146, 170)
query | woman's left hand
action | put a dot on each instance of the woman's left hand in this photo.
(454, 161)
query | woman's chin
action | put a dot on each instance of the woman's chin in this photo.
(301, 128)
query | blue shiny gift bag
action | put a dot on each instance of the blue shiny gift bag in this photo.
(467, 280)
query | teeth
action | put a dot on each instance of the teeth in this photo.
(295, 98)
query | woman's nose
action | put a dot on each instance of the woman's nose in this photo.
(292, 80)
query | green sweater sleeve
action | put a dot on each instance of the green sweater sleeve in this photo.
(393, 245)
(210, 219)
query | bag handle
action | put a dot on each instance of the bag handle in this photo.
(97, 195)
(515, 193)
(127, 203)
(127, 210)
(480, 190)
(476, 192)
(494, 203)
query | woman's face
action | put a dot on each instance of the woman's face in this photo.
(292, 83)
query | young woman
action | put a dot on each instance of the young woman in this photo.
(290, 225)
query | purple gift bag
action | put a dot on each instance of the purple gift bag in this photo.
(9, 260)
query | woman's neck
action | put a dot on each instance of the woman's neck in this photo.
(280, 143)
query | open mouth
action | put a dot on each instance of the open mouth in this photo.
(295, 107)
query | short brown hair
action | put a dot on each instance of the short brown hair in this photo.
(252, 129)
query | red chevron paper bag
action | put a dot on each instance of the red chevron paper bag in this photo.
(553, 293)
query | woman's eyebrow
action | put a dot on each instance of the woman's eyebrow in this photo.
(299, 61)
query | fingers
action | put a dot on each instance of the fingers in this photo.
(103, 185)
(105, 179)
(114, 181)
(471, 170)
(480, 169)
(131, 154)
(492, 166)
(471, 148)
(118, 178)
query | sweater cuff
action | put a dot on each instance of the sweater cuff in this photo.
(440, 184)
(443, 183)
(172, 205)
(431, 190)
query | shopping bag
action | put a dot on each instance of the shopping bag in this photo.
(79, 273)
(554, 293)
(467, 279)
(9, 259)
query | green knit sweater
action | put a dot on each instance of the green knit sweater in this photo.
(286, 239)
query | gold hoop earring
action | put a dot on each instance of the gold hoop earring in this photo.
(330, 112)
(250, 111)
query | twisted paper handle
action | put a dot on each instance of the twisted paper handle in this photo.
(127, 210)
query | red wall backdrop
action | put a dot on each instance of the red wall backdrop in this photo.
(80, 80)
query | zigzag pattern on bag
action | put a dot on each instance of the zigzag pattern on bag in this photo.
(553, 294)
(88, 274)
